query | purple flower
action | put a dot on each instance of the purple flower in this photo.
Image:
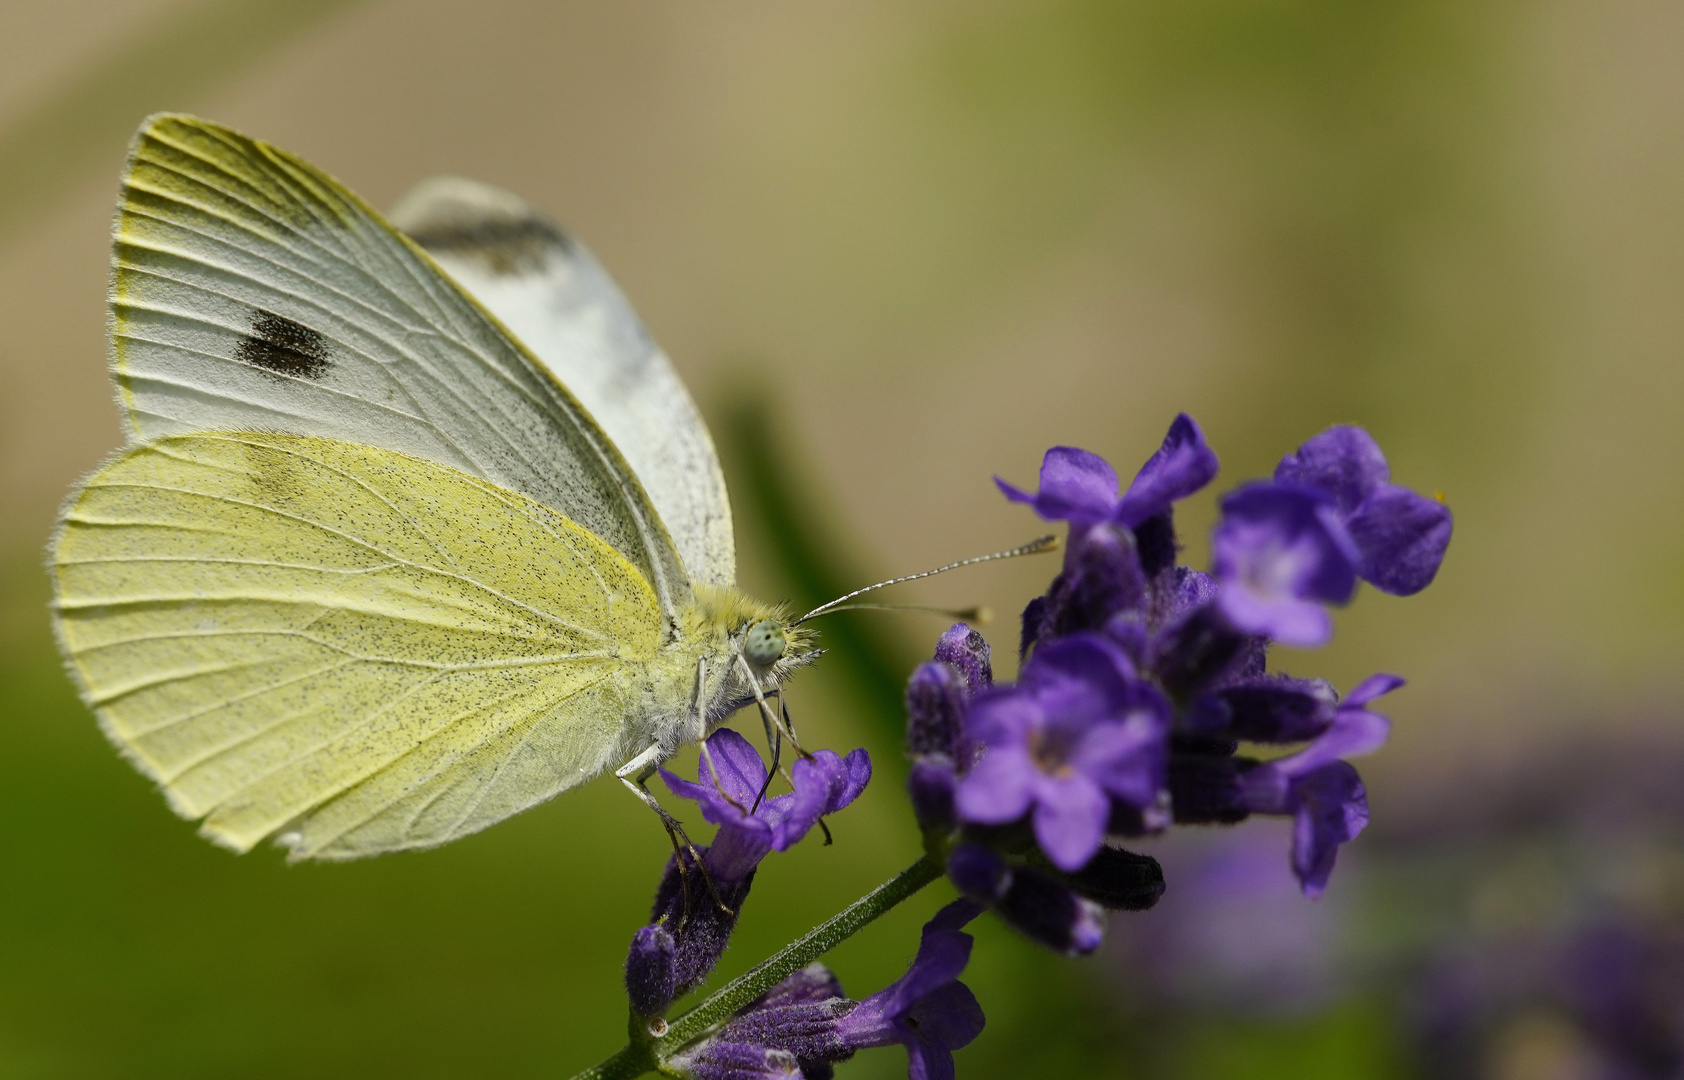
(1080, 487)
(1077, 731)
(697, 904)
(1280, 554)
(792, 1027)
(1400, 536)
(824, 784)
(804, 1023)
(1322, 793)
(927, 1010)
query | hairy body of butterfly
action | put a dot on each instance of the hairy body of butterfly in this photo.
(370, 576)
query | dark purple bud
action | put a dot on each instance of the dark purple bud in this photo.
(1197, 652)
(1051, 914)
(968, 652)
(935, 712)
(1272, 709)
(721, 1060)
(979, 872)
(700, 914)
(1034, 613)
(1128, 629)
(651, 973)
(1119, 880)
(1102, 576)
(931, 785)
(1154, 538)
(1204, 789)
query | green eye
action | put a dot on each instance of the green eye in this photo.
(765, 643)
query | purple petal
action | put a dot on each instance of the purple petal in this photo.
(1076, 486)
(1333, 809)
(955, 915)
(819, 781)
(1278, 548)
(1070, 817)
(1267, 790)
(1343, 461)
(928, 1061)
(1401, 537)
(949, 1016)
(1004, 714)
(942, 956)
(1303, 623)
(1353, 732)
(1090, 659)
(1183, 465)
(1370, 688)
(1126, 759)
(858, 764)
(998, 788)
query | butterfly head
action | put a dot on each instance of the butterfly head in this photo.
(761, 635)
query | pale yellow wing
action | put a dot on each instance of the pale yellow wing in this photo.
(351, 647)
(251, 291)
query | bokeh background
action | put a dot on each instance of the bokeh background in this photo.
(896, 246)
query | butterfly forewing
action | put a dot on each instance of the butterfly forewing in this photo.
(253, 292)
(546, 287)
(365, 649)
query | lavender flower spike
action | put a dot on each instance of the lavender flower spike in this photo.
(1077, 731)
(689, 902)
(927, 1010)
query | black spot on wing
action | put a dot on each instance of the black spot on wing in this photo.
(279, 345)
(503, 245)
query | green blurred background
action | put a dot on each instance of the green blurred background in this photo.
(894, 246)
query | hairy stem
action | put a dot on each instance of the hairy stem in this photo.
(642, 1056)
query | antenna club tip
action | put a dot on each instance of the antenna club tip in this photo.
(1047, 543)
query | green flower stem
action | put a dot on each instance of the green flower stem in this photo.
(645, 1054)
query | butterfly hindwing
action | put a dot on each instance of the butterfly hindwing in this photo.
(252, 292)
(360, 648)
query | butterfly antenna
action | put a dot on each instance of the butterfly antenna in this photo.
(979, 615)
(1034, 547)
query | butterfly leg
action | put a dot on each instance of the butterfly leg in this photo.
(766, 713)
(635, 775)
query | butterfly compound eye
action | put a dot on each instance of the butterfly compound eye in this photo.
(765, 643)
